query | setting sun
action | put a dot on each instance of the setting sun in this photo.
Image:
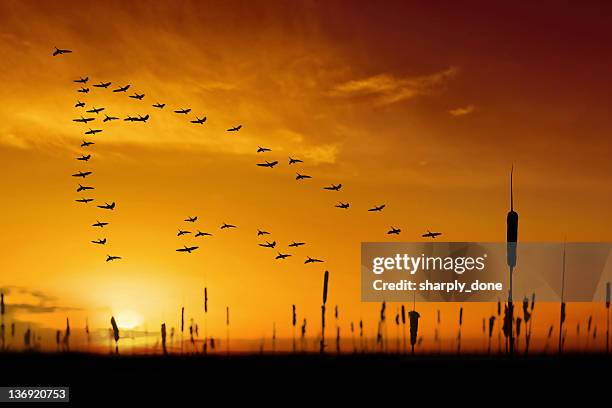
(129, 319)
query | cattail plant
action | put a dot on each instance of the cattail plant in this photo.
(527, 317)
(163, 336)
(353, 337)
(337, 330)
(361, 334)
(589, 323)
(293, 323)
(67, 335)
(607, 316)
(27, 338)
(2, 338)
(115, 334)
(404, 327)
(436, 332)
(325, 283)
(518, 331)
(381, 323)
(303, 333)
(459, 333)
(491, 325)
(397, 336)
(227, 325)
(548, 337)
(562, 312)
(499, 327)
(182, 326)
(413, 315)
(58, 338)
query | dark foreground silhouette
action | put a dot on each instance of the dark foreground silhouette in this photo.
(108, 378)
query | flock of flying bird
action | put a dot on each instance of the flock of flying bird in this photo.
(84, 89)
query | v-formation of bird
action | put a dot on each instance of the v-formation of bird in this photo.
(82, 81)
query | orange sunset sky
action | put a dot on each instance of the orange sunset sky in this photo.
(421, 107)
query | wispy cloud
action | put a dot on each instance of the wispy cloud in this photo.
(387, 89)
(14, 141)
(31, 301)
(466, 110)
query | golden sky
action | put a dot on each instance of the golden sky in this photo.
(421, 108)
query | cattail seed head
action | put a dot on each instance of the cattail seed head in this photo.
(460, 315)
(1, 303)
(491, 325)
(293, 317)
(325, 282)
(115, 329)
(403, 315)
(607, 295)
(182, 319)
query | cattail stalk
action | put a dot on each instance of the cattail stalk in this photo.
(607, 316)
(459, 334)
(227, 324)
(293, 323)
(325, 283)
(163, 336)
(115, 334)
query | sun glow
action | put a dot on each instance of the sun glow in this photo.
(129, 319)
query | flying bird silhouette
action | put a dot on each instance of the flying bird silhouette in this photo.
(311, 260)
(60, 51)
(84, 200)
(262, 232)
(159, 105)
(122, 89)
(79, 104)
(301, 176)
(107, 206)
(112, 258)
(99, 224)
(81, 80)
(183, 111)
(263, 149)
(333, 187)
(182, 232)
(202, 234)
(83, 90)
(296, 244)
(83, 188)
(102, 85)
(95, 110)
(82, 174)
(86, 143)
(199, 121)
(93, 131)
(268, 244)
(294, 161)
(109, 118)
(83, 120)
(377, 208)
(268, 164)
(191, 219)
(394, 230)
(99, 241)
(282, 256)
(137, 96)
(432, 235)
(235, 128)
(224, 226)
(84, 157)
(343, 205)
(187, 249)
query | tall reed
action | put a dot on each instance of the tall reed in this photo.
(607, 316)
(325, 284)
(459, 333)
(491, 325)
(115, 334)
(163, 336)
(293, 323)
